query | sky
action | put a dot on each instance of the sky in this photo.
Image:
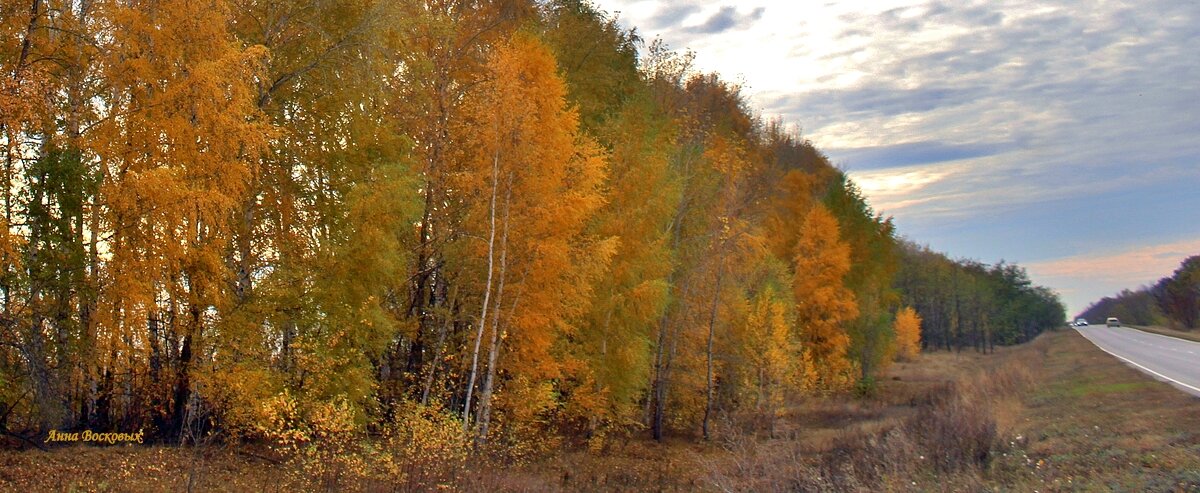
(1061, 135)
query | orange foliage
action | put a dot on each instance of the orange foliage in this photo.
(539, 180)
(823, 304)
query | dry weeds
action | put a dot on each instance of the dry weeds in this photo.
(1053, 415)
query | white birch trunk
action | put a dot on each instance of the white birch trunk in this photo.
(487, 293)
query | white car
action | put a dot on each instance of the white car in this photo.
(1112, 322)
(1080, 322)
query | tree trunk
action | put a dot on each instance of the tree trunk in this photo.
(26, 42)
(662, 360)
(182, 389)
(485, 400)
(712, 330)
(437, 352)
(244, 283)
(487, 294)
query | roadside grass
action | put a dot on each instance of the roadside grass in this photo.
(1093, 423)
(1193, 336)
(1103, 388)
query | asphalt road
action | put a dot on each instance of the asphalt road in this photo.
(1166, 358)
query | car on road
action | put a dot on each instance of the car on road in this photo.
(1081, 322)
(1112, 322)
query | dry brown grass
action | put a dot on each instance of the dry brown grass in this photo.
(933, 426)
(136, 469)
(836, 442)
(1053, 415)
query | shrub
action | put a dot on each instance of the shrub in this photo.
(423, 448)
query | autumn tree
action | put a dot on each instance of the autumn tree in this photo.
(176, 151)
(908, 334)
(712, 226)
(45, 76)
(615, 340)
(823, 303)
(321, 243)
(539, 179)
(769, 351)
(1179, 295)
(443, 51)
(871, 239)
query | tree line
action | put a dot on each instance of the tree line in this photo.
(223, 216)
(969, 304)
(1173, 301)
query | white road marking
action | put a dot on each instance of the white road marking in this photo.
(1147, 370)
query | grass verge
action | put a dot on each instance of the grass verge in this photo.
(1095, 424)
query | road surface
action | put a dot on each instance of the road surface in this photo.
(1166, 358)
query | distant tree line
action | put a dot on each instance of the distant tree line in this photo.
(969, 304)
(1172, 301)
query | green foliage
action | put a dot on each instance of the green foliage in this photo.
(874, 262)
(597, 57)
(865, 387)
(968, 304)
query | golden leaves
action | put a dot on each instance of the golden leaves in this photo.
(907, 328)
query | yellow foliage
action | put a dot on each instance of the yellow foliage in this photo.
(770, 369)
(908, 334)
(320, 438)
(240, 393)
(422, 449)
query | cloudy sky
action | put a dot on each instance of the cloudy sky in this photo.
(1061, 135)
